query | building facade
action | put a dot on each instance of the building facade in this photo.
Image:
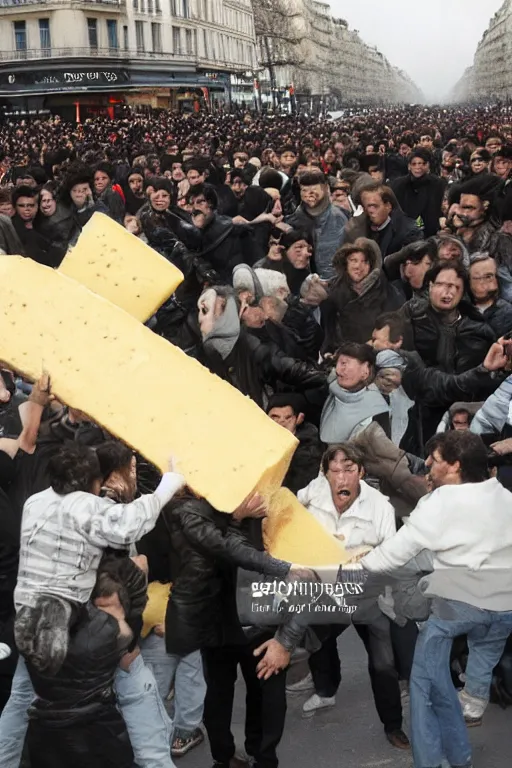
(92, 55)
(330, 65)
(490, 77)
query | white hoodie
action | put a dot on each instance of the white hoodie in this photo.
(468, 529)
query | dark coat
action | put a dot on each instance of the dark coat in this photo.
(10, 243)
(198, 549)
(400, 231)
(421, 199)
(451, 348)
(350, 316)
(305, 464)
(499, 317)
(60, 229)
(252, 365)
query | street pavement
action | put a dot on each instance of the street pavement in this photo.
(350, 735)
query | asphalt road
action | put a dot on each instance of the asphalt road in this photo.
(350, 735)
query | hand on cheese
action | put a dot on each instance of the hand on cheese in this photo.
(291, 533)
(139, 386)
(115, 264)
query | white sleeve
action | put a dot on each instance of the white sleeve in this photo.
(119, 525)
(387, 527)
(420, 532)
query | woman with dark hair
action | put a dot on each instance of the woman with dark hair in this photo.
(134, 191)
(55, 220)
(109, 193)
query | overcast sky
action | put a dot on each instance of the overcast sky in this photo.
(433, 41)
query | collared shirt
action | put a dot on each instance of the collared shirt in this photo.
(369, 521)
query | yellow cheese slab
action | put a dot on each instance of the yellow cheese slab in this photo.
(292, 533)
(138, 386)
(115, 264)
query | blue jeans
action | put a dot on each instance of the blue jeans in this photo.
(438, 729)
(147, 722)
(189, 683)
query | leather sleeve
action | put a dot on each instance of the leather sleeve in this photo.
(438, 389)
(229, 546)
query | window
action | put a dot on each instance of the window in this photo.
(205, 44)
(186, 9)
(92, 29)
(188, 41)
(150, 6)
(176, 40)
(20, 35)
(139, 36)
(158, 7)
(174, 8)
(44, 36)
(125, 38)
(156, 38)
(136, 5)
(113, 40)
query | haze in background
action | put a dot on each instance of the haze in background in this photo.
(433, 41)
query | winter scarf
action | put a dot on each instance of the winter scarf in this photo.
(344, 411)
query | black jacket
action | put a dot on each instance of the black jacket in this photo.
(451, 348)
(198, 549)
(305, 464)
(421, 198)
(252, 365)
(499, 317)
(400, 231)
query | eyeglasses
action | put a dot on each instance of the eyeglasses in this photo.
(485, 278)
(26, 205)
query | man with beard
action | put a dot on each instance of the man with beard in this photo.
(351, 510)
(484, 287)
(471, 218)
(465, 524)
(322, 220)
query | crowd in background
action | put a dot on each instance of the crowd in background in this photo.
(352, 277)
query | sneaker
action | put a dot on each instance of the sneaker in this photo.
(316, 702)
(302, 686)
(183, 744)
(472, 708)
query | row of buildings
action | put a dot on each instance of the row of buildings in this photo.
(490, 77)
(87, 57)
(327, 62)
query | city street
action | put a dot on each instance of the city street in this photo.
(350, 735)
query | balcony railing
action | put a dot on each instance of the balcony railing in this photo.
(122, 53)
(35, 5)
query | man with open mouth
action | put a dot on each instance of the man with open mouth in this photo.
(362, 517)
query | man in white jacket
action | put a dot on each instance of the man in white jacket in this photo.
(466, 522)
(355, 512)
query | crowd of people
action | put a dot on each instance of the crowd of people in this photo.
(352, 277)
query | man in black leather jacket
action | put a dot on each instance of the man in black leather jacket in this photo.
(242, 359)
(199, 550)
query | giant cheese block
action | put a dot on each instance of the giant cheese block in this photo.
(115, 264)
(138, 386)
(292, 533)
